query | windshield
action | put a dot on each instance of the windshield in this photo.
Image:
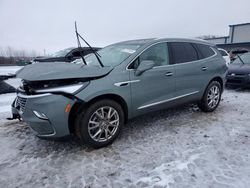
(245, 58)
(111, 55)
(61, 53)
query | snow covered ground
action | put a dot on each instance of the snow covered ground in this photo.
(9, 69)
(181, 147)
(5, 70)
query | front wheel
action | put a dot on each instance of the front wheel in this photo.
(211, 97)
(100, 123)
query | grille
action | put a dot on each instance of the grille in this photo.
(236, 74)
(20, 103)
(234, 81)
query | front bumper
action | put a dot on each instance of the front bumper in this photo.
(54, 124)
(238, 80)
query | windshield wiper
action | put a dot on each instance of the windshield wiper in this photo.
(240, 59)
(93, 51)
(79, 45)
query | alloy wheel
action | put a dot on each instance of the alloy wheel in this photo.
(103, 124)
(213, 96)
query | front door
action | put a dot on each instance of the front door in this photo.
(155, 87)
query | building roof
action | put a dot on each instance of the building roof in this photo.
(233, 25)
(217, 38)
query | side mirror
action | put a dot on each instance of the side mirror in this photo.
(144, 66)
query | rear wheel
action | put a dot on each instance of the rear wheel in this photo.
(211, 97)
(100, 123)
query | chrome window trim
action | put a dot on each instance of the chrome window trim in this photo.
(187, 62)
(167, 100)
(162, 66)
(215, 54)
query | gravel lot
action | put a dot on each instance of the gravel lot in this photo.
(180, 147)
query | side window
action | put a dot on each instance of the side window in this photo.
(205, 50)
(183, 52)
(135, 64)
(157, 53)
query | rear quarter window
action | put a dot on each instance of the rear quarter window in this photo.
(223, 53)
(205, 50)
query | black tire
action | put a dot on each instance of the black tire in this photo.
(203, 104)
(85, 115)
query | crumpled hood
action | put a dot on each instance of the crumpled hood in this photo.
(57, 71)
(239, 69)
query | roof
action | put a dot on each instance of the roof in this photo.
(154, 40)
(186, 40)
(137, 41)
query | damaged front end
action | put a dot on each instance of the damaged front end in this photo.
(28, 89)
(44, 101)
(44, 105)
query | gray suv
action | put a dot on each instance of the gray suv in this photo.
(94, 97)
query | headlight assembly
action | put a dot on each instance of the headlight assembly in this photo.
(70, 89)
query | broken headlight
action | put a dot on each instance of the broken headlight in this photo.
(63, 89)
(53, 86)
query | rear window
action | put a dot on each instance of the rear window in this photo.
(183, 52)
(205, 50)
(223, 53)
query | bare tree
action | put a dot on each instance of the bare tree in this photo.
(9, 55)
(9, 52)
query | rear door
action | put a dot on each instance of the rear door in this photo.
(188, 68)
(209, 64)
(155, 87)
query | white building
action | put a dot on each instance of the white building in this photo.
(239, 37)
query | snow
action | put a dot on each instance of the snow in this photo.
(180, 147)
(5, 70)
(9, 69)
(164, 174)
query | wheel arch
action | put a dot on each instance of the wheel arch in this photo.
(78, 106)
(218, 79)
(202, 104)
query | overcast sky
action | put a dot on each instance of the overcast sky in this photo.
(49, 24)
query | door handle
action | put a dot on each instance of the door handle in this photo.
(204, 68)
(169, 74)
